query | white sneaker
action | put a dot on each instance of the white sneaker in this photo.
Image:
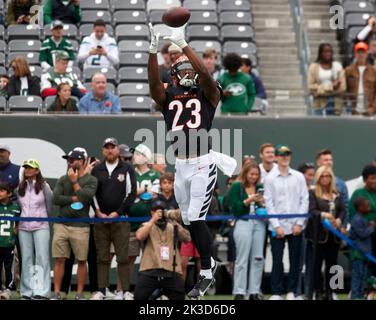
(163, 297)
(300, 298)
(128, 295)
(97, 296)
(276, 297)
(109, 294)
(6, 295)
(119, 295)
(290, 296)
(334, 296)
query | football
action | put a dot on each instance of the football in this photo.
(176, 17)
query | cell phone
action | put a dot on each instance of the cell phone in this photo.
(93, 159)
(99, 47)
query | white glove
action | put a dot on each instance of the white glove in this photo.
(154, 40)
(178, 37)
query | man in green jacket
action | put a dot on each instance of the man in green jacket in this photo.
(68, 11)
(238, 88)
(73, 194)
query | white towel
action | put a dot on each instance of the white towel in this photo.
(225, 163)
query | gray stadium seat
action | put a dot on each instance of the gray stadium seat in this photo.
(2, 59)
(110, 73)
(155, 16)
(233, 32)
(239, 47)
(3, 46)
(132, 31)
(94, 5)
(35, 71)
(202, 32)
(135, 104)
(200, 5)
(48, 101)
(133, 59)
(128, 5)
(234, 5)
(22, 31)
(31, 57)
(133, 89)
(3, 104)
(358, 6)
(201, 46)
(130, 74)
(203, 17)
(110, 86)
(352, 32)
(22, 45)
(70, 31)
(133, 46)
(162, 4)
(75, 70)
(235, 17)
(89, 16)
(87, 29)
(25, 104)
(356, 19)
(75, 44)
(2, 32)
(3, 70)
(129, 17)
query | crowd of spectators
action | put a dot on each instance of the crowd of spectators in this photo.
(134, 183)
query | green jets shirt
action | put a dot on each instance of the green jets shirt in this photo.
(49, 49)
(242, 90)
(7, 237)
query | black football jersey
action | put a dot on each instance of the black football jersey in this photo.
(189, 116)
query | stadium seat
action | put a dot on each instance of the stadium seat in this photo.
(162, 4)
(135, 104)
(36, 71)
(129, 17)
(3, 104)
(110, 87)
(233, 32)
(87, 29)
(351, 34)
(235, 17)
(239, 47)
(25, 104)
(110, 73)
(70, 31)
(200, 5)
(22, 45)
(89, 16)
(22, 31)
(155, 16)
(133, 59)
(48, 101)
(2, 32)
(356, 19)
(75, 45)
(131, 74)
(234, 5)
(132, 31)
(133, 89)
(94, 5)
(3, 46)
(133, 46)
(358, 6)
(2, 59)
(3, 70)
(75, 70)
(202, 32)
(127, 5)
(201, 46)
(203, 17)
(31, 57)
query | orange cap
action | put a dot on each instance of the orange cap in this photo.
(361, 46)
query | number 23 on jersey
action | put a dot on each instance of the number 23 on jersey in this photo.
(179, 122)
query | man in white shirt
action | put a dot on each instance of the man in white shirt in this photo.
(267, 157)
(285, 193)
(99, 49)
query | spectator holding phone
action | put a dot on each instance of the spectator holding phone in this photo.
(99, 49)
(19, 11)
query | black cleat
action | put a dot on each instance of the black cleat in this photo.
(203, 284)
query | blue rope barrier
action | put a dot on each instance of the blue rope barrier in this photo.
(143, 219)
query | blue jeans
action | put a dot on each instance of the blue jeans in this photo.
(35, 252)
(249, 239)
(328, 109)
(360, 274)
(278, 245)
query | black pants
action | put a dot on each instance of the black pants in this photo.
(171, 287)
(6, 259)
(373, 265)
(92, 264)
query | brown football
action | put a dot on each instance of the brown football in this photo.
(176, 17)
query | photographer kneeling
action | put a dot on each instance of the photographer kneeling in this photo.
(160, 263)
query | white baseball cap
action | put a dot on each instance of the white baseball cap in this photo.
(141, 148)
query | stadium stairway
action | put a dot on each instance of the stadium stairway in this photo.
(317, 19)
(278, 59)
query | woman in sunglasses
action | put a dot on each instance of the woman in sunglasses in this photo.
(35, 199)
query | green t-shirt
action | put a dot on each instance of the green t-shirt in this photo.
(243, 92)
(49, 49)
(370, 196)
(7, 237)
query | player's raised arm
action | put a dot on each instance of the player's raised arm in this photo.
(157, 91)
(207, 83)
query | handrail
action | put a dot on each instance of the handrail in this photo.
(304, 53)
